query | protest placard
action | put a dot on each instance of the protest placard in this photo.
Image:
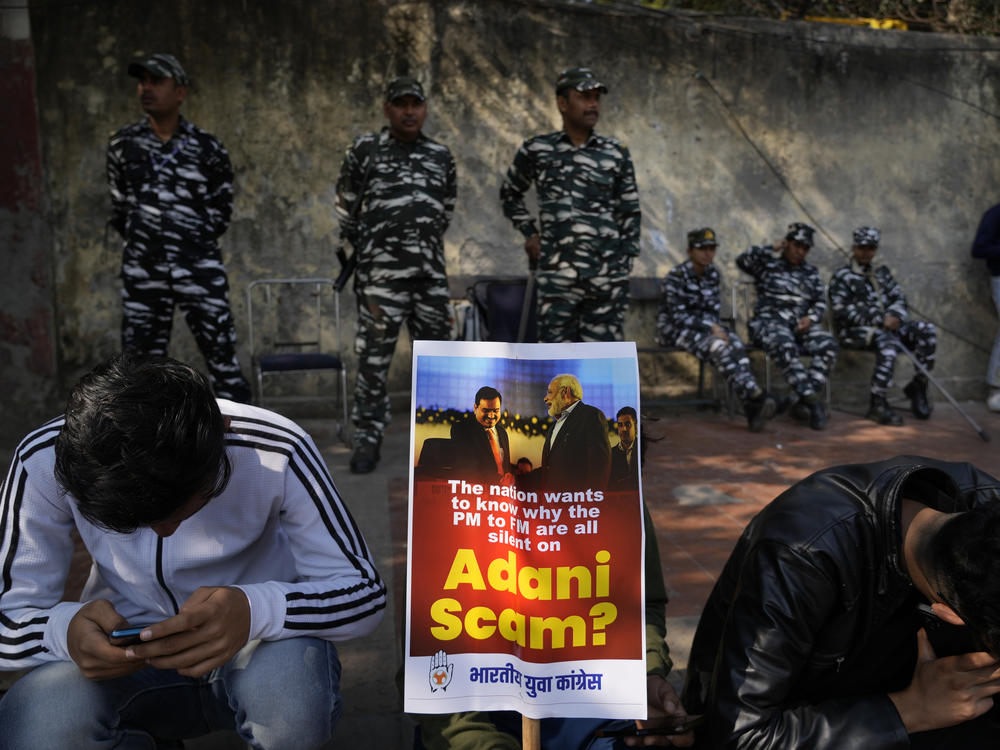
(524, 587)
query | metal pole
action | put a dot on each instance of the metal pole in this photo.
(531, 735)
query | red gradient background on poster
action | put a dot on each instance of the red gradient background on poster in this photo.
(594, 598)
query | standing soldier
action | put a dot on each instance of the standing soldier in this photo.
(689, 318)
(404, 185)
(171, 198)
(869, 310)
(589, 213)
(788, 316)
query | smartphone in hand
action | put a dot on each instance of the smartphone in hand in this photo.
(126, 636)
(662, 726)
(947, 639)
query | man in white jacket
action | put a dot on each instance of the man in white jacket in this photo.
(213, 526)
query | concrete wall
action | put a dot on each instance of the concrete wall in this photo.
(27, 311)
(742, 125)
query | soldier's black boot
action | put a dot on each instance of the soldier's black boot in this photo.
(916, 391)
(880, 411)
(759, 409)
(365, 458)
(817, 411)
(799, 409)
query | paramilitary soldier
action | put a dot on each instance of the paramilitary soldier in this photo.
(689, 318)
(171, 187)
(788, 316)
(870, 312)
(406, 183)
(589, 214)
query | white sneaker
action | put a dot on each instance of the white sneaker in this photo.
(993, 402)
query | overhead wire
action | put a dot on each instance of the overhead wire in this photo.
(699, 75)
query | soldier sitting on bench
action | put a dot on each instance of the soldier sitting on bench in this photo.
(788, 317)
(870, 312)
(689, 318)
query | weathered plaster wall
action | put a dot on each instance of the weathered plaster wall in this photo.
(893, 129)
(27, 351)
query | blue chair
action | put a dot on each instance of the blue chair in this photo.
(289, 322)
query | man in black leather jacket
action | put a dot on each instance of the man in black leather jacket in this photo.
(812, 637)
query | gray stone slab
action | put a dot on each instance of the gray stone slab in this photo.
(702, 494)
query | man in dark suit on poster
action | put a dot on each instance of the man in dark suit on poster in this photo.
(625, 455)
(577, 452)
(479, 442)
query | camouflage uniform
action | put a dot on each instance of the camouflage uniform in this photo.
(786, 293)
(589, 212)
(860, 298)
(406, 207)
(689, 308)
(171, 202)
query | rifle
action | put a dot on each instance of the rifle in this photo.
(529, 293)
(349, 265)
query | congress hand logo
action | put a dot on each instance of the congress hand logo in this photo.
(441, 672)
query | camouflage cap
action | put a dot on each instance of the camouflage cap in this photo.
(404, 86)
(867, 236)
(702, 237)
(581, 79)
(799, 232)
(162, 65)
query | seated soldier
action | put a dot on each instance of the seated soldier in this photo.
(689, 318)
(787, 319)
(869, 310)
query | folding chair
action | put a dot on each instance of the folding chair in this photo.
(288, 334)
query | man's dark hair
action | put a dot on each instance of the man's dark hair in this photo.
(143, 435)
(628, 410)
(963, 557)
(487, 392)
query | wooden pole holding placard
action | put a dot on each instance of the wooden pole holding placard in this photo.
(531, 734)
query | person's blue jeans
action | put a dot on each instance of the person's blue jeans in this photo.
(275, 694)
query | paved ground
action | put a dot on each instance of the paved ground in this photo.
(704, 479)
